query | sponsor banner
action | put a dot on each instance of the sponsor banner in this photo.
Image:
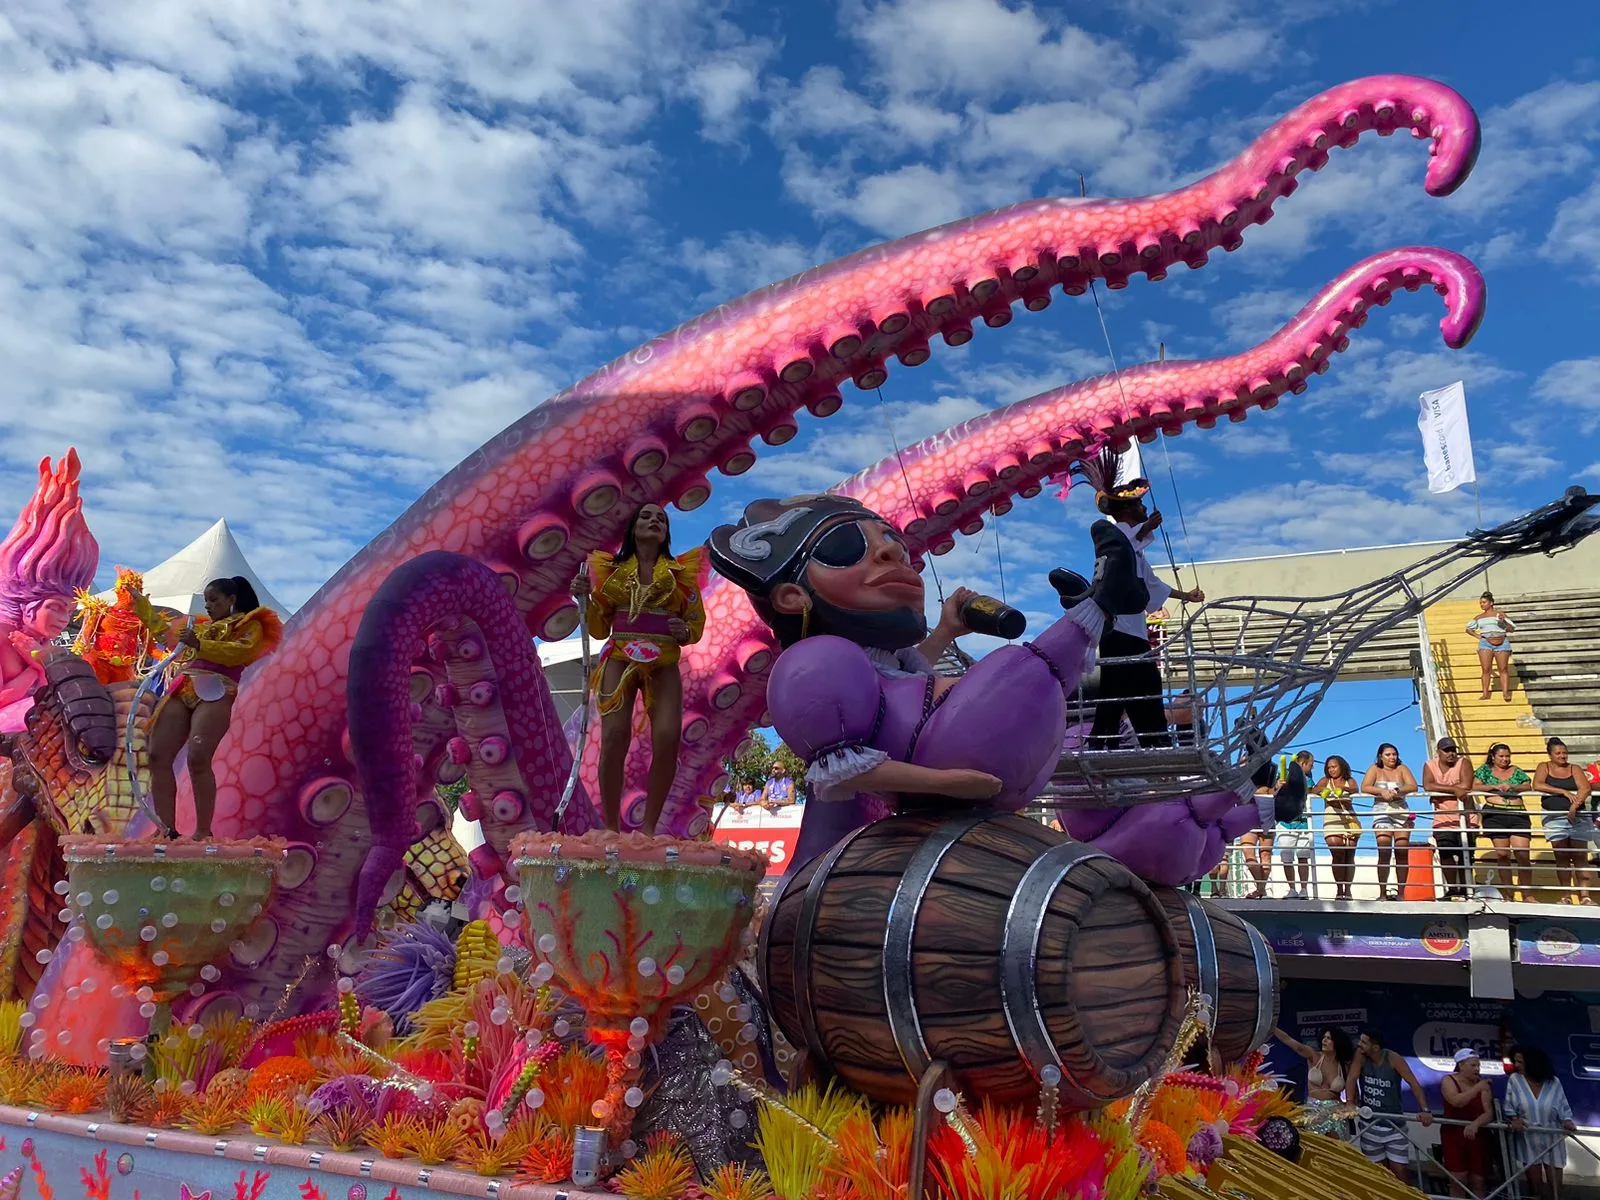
(1429, 1024)
(772, 834)
(1565, 943)
(1362, 935)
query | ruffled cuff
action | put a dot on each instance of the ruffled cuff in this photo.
(1091, 618)
(831, 771)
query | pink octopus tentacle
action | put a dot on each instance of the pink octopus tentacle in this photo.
(655, 423)
(971, 471)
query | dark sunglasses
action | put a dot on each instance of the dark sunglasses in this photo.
(845, 545)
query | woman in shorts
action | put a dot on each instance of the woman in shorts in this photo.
(1294, 840)
(1257, 843)
(1569, 828)
(1493, 629)
(1505, 818)
(1341, 828)
(1390, 783)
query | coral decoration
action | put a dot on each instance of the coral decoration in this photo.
(662, 1172)
(77, 1092)
(477, 953)
(579, 1082)
(280, 1075)
(489, 1153)
(549, 1157)
(1010, 1155)
(217, 1109)
(735, 1181)
(795, 1136)
(254, 1190)
(412, 965)
(280, 1037)
(98, 1185)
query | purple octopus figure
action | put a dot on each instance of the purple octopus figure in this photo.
(855, 695)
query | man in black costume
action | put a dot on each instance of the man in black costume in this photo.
(1130, 679)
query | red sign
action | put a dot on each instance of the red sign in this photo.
(772, 834)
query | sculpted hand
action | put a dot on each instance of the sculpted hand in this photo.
(679, 629)
(950, 613)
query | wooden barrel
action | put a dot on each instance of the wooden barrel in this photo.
(989, 942)
(1231, 963)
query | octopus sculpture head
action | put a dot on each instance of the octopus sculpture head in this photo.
(824, 565)
(48, 556)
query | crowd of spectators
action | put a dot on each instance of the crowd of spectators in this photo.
(1368, 1076)
(1482, 820)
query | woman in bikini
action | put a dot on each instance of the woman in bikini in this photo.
(1327, 1065)
(1493, 629)
(1341, 828)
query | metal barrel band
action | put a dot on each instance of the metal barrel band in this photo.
(803, 934)
(1205, 953)
(1019, 956)
(1266, 995)
(899, 996)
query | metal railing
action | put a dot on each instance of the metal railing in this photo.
(1514, 1165)
(1362, 865)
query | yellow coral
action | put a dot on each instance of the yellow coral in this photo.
(660, 1173)
(11, 1026)
(795, 1137)
(489, 1155)
(389, 1136)
(735, 1181)
(218, 1109)
(477, 954)
(432, 1142)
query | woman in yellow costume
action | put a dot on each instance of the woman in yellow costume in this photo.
(199, 699)
(648, 604)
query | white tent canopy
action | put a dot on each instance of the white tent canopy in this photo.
(180, 582)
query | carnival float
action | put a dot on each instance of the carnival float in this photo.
(943, 996)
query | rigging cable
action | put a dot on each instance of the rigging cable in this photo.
(911, 496)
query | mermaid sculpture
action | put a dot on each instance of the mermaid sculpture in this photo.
(46, 559)
(647, 624)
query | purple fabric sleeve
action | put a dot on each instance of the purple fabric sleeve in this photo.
(824, 696)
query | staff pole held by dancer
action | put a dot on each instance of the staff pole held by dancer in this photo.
(1130, 678)
(580, 593)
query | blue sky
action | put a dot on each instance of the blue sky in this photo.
(286, 261)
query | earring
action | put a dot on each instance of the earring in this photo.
(805, 623)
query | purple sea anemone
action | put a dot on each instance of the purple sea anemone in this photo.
(1205, 1147)
(413, 965)
(347, 1091)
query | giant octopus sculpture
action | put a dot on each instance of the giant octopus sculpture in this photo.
(301, 762)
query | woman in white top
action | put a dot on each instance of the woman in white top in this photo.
(1493, 629)
(1534, 1096)
(1390, 783)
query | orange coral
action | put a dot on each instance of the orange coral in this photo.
(1164, 1146)
(280, 1075)
(489, 1155)
(432, 1142)
(735, 1181)
(874, 1159)
(577, 1081)
(77, 1092)
(549, 1158)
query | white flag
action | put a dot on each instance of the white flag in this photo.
(1446, 439)
(1130, 464)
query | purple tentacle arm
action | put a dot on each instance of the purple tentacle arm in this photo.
(422, 607)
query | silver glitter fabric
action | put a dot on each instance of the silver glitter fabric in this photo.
(715, 1123)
